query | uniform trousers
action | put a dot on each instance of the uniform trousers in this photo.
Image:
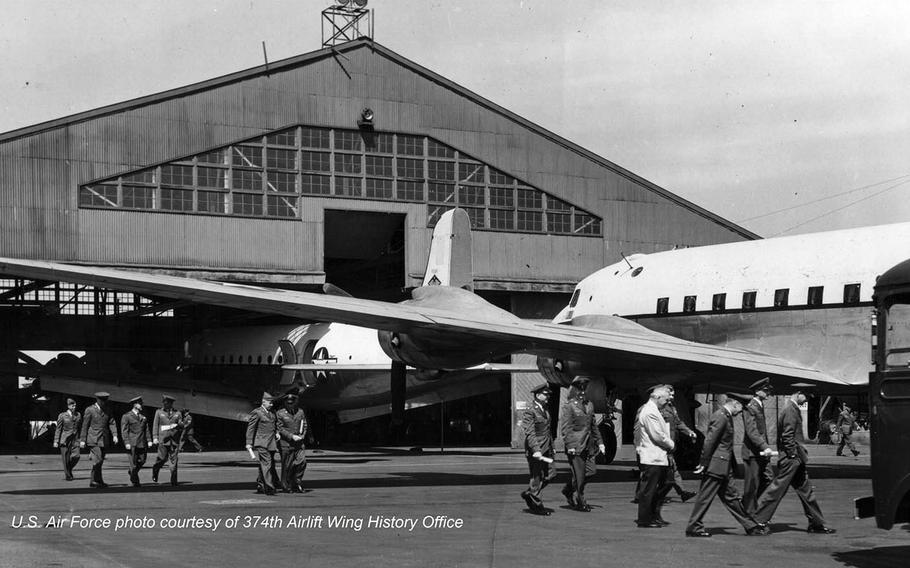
(98, 454)
(137, 460)
(652, 489)
(542, 474)
(69, 453)
(791, 472)
(846, 441)
(711, 486)
(167, 453)
(757, 475)
(582, 466)
(267, 480)
(293, 465)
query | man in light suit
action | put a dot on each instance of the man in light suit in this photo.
(134, 427)
(756, 450)
(652, 442)
(791, 470)
(99, 433)
(66, 437)
(535, 421)
(716, 464)
(582, 441)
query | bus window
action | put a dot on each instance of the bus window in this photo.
(897, 338)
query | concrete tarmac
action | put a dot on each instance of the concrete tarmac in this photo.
(388, 507)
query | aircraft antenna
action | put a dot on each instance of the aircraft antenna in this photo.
(623, 255)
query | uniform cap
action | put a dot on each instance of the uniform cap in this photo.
(542, 387)
(166, 397)
(580, 380)
(136, 399)
(102, 395)
(70, 401)
(267, 396)
(762, 384)
(743, 398)
(653, 388)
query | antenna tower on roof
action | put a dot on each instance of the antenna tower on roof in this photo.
(346, 20)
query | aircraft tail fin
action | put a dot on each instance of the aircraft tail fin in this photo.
(451, 261)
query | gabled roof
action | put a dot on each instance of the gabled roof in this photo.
(367, 43)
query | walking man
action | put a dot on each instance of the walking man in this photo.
(846, 421)
(582, 441)
(66, 437)
(652, 442)
(261, 433)
(535, 421)
(166, 431)
(137, 438)
(99, 433)
(756, 451)
(292, 430)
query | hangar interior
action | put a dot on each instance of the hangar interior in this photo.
(328, 167)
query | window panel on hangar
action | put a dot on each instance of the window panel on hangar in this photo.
(268, 175)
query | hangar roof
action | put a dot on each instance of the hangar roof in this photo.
(366, 43)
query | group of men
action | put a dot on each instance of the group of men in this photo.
(283, 431)
(97, 431)
(655, 425)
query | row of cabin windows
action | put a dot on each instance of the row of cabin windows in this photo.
(229, 359)
(781, 299)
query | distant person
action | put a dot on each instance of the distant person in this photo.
(756, 450)
(292, 430)
(582, 441)
(261, 432)
(716, 465)
(137, 438)
(99, 433)
(166, 432)
(846, 423)
(187, 433)
(535, 422)
(652, 442)
(677, 425)
(791, 469)
(66, 437)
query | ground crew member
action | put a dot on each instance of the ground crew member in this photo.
(261, 434)
(846, 421)
(99, 433)
(166, 430)
(187, 435)
(756, 450)
(716, 464)
(535, 421)
(582, 440)
(134, 427)
(791, 470)
(66, 437)
(292, 430)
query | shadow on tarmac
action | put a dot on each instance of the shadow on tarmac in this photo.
(879, 557)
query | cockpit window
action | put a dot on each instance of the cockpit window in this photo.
(575, 296)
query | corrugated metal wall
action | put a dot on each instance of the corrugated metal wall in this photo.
(40, 173)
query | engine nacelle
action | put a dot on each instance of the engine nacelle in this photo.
(436, 350)
(560, 372)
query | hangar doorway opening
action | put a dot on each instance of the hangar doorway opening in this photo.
(364, 253)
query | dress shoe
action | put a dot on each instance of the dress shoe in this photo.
(759, 530)
(102, 485)
(839, 454)
(94, 485)
(651, 525)
(855, 454)
(584, 508)
(527, 497)
(155, 476)
(686, 495)
(698, 534)
(569, 496)
(69, 478)
(540, 511)
(662, 522)
(820, 529)
(635, 501)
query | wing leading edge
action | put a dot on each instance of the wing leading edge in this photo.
(615, 343)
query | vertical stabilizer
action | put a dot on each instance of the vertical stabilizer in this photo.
(451, 261)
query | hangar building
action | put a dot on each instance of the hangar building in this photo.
(331, 166)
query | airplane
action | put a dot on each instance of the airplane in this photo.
(657, 318)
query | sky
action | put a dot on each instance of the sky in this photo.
(783, 117)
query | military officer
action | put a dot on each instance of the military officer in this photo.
(187, 434)
(99, 433)
(292, 430)
(535, 421)
(846, 421)
(716, 464)
(66, 437)
(166, 430)
(582, 440)
(261, 434)
(791, 469)
(134, 427)
(756, 451)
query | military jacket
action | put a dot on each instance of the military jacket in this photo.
(535, 422)
(135, 430)
(717, 453)
(261, 429)
(675, 423)
(67, 427)
(290, 425)
(167, 427)
(579, 432)
(755, 429)
(98, 427)
(845, 422)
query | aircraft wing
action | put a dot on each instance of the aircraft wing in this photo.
(615, 343)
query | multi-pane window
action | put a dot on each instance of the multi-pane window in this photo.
(265, 175)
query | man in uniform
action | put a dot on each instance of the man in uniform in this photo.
(99, 432)
(66, 437)
(652, 442)
(292, 430)
(535, 421)
(677, 425)
(187, 435)
(791, 469)
(582, 440)
(134, 427)
(716, 464)
(756, 451)
(166, 430)
(261, 432)
(845, 423)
